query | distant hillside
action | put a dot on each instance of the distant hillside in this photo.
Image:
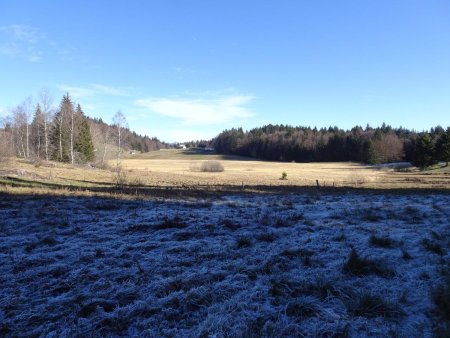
(103, 133)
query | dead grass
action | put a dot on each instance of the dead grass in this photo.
(173, 168)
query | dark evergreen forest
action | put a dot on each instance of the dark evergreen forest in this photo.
(367, 145)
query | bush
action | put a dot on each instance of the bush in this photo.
(283, 176)
(120, 179)
(212, 167)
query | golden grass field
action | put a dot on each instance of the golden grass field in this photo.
(176, 168)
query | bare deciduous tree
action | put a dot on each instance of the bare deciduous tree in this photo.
(119, 122)
(388, 148)
(46, 102)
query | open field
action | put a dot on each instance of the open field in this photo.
(177, 169)
(160, 249)
(229, 266)
(177, 166)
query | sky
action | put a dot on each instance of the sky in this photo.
(185, 70)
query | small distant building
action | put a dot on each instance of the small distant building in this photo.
(181, 146)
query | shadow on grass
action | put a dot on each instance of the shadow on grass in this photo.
(203, 191)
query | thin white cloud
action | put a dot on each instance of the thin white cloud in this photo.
(108, 90)
(31, 44)
(3, 112)
(78, 92)
(22, 41)
(93, 90)
(210, 111)
(184, 70)
(175, 135)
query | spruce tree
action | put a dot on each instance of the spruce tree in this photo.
(369, 155)
(424, 152)
(38, 132)
(84, 144)
(443, 147)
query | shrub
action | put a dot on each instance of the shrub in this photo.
(120, 179)
(283, 176)
(212, 167)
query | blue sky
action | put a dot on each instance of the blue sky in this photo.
(182, 70)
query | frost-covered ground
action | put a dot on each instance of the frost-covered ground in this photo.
(260, 265)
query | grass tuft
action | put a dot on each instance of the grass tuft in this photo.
(405, 255)
(302, 307)
(432, 246)
(243, 242)
(441, 298)
(360, 266)
(381, 242)
(372, 305)
(171, 223)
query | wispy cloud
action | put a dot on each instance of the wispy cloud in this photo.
(184, 70)
(22, 41)
(3, 111)
(175, 135)
(94, 89)
(200, 111)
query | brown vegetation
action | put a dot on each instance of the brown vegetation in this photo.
(173, 169)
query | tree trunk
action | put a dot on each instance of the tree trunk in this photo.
(39, 141)
(60, 140)
(104, 152)
(27, 141)
(118, 153)
(71, 140)
(46, 138)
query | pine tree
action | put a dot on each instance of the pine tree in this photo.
(84, 144)
(424, 152)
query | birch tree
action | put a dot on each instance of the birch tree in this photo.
(119, 122)
(61, 130)
(46, 102)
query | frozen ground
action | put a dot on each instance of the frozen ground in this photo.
(261, 265)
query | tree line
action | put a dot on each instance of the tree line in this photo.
(38, 130)
(367, 145)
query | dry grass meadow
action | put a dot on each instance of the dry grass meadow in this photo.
(179, 169)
